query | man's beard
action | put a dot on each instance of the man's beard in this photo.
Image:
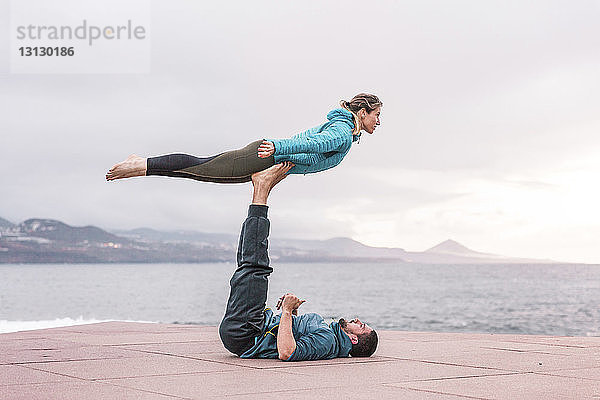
(343, 323)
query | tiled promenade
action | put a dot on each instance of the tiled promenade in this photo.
(118, 360)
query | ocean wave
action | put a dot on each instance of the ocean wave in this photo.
(19, 326)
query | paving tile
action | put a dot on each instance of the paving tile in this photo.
(187, 349)
(101, 327)
(18, 375)
(258, 363)
(566, 341)
(542, 348)
(361, 392)
(115, 338)
(511, 360)
(132, 327)
(74, 391)
(440, 336)
(131, 367)
(23, 344)
(23, 335)
(386, 372)
(511, 387)
(39, 333)
(241, 381)
(111, 326)
(404, 349)
(64, 354)
(465, 337)
(583, 373)
(182, 327)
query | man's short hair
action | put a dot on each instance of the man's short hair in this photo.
(367, 343)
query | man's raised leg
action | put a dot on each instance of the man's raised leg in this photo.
(244, 316)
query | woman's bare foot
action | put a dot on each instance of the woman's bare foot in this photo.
(132, 166)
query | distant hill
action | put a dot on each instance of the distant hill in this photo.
(451, 247)
(452, 252)
(50, 241)
(148, 234)
(337, 247)
(59, 231)
(5, 223)
(45, 240)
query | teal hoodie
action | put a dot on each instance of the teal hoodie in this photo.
(318, 148)
(315, 340)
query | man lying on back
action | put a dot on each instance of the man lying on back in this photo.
(251, 331)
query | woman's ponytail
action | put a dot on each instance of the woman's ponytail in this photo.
(357, 128)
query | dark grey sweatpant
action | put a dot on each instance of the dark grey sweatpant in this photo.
(244, 316)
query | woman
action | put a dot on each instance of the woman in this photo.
(314, 150)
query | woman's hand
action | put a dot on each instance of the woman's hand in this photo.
(266, 149)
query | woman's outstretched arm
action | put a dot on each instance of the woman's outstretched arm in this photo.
(331, 139)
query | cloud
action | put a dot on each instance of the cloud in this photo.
(488, 136)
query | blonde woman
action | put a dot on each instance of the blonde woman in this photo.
(314, 150)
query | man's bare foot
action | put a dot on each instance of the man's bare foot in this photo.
(132, 166)
(264, 181)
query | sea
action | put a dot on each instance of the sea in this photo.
(519, 299)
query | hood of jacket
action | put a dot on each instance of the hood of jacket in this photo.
(343, 115)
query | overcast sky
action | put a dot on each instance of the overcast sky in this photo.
(490, 130)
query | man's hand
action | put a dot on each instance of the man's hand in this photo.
(266, 149)
(286, 344)
(290, 303)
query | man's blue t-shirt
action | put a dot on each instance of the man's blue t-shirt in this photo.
(315, 340)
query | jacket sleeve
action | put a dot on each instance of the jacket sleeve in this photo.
(330, 139)
(318, 345)
(306, 158)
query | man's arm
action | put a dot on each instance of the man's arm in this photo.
(286, 344)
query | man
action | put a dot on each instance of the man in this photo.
(251, 331)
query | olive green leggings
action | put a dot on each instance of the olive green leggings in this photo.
(234, 166)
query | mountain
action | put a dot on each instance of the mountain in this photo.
(336, 248)
(50, 241)
(45, 240)
(5, 223)
(451, 247)
(61, 232)
(299, 250)
(452, 252)
(148, 234)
